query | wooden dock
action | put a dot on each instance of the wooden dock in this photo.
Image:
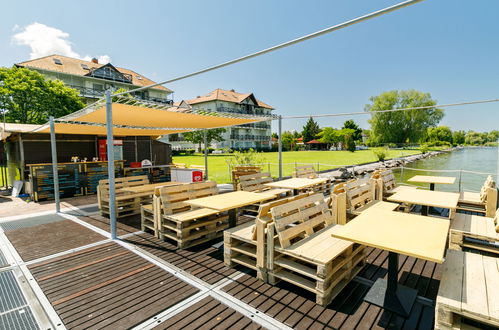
(93, 282)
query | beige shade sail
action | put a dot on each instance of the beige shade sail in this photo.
(146, 119)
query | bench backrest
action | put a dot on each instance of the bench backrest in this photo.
(388, 179)
(359, 192)
(489, 183)
(239, 171)
(119, 183)
(305, 171)
(255, 181)
(337, 203)
(300, 218)
(173, 197)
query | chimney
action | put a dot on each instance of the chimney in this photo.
(232, 90)
(94, 60)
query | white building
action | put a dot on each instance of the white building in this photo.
(246, 136)
(91, 78)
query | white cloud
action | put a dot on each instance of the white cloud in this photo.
(46, 40)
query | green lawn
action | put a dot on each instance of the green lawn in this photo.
(218, 169)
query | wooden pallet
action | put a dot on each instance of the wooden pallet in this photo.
(126, 203)
(242, 170)
(246, 244)
(305, 171)
(466, 226)
(468, 290)
(360, 195)
(304, 253)
(184, 224)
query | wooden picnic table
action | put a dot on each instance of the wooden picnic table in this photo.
(149, 188)
(296, 183)
(413, 235)
(432, 180)
(230, 202)
(446, 200)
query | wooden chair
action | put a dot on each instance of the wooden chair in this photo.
(468, 290)
(385, 183)
(483, 202)
(242, 170)
(246, 244)
(187, 225)
(469, 231)
(304, 253)
(126, 203)
(305, 171)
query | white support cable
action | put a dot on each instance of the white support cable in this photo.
(393, 110)
(282, 45)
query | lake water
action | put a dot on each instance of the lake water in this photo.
(483, 160)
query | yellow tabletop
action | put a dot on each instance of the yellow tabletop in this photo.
(447, 200)
(433, 179)
(296, 183)
(409, 234)
(229, 201)
(148, 187)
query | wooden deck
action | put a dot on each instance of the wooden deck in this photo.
(110, 286)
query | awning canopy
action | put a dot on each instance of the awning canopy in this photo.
(134, 117)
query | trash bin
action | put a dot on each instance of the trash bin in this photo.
(186, 175)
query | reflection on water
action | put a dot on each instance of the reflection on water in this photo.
(482, 160)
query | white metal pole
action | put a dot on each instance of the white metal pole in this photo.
(110, 163)
(497, 177)
(279, 146)
(205, 137)
(55, 172)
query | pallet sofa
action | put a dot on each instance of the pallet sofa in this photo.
(301, 251)
(385, 184)
(483, 202)
(475, 232)
(242, 170)
(305, 171)
(246, 244)
(360, 196)
(255, 182)
(126, 203)
(468, 291)
(184, 224)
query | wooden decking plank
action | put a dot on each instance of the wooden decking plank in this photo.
(474, 298)
(491, 270)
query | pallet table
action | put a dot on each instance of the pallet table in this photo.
(230, 202)
(298, 184)
(432, 180)
(446, 200)
(409, 234)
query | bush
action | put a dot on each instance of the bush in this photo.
(424, 148)
(249, 157)
(190, 151)
(380, 153)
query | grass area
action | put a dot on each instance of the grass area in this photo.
(218, 170)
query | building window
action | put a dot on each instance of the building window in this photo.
(84, 66)
(57, 61)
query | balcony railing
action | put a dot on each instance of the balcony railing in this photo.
(251, 137)
(95, 93)
(259, 125)
(254, 111)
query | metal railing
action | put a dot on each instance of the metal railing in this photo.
(252, 111)
(251, 137)
(97, 93)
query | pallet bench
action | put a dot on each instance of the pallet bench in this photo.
(475, 232)
(305, 171)
(304, 253)
(483, 202)
(468, 290)
(184, 224)
(246, 244)
(385, 184)
(242, 170)
(360, 196)
(126, 203)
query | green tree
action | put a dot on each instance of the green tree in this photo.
(402, 126)
(310, 130)
(197, 137)
(493, 136)
(288, 141)
(473, 138)
(439, 134)
(458, 137)
(347, 135)
(330, 136)
(350, 124)
(29, 98)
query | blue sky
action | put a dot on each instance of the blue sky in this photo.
(449, 48)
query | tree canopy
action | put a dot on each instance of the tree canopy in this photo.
(197, 137)
(402, 126)
(439, 133)
(310, 130)
(29, 98)
(350, 124)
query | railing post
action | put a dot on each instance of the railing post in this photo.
(460, 175)
(279, 146)
(110, 163)
(402, 174)
(55, 171)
